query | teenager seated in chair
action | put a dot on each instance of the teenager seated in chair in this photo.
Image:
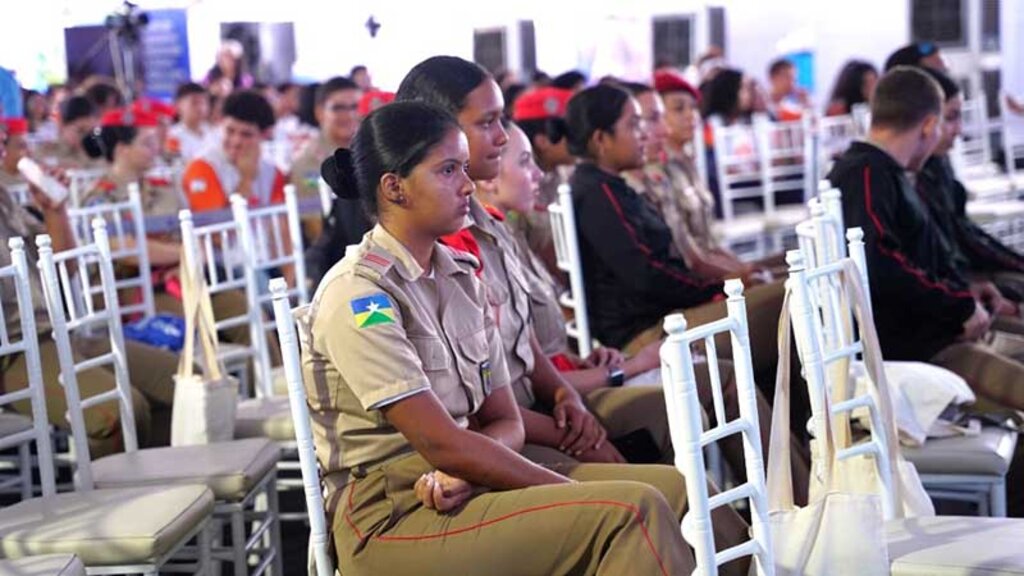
(192, 134)
(540, 113)
(15, 148)
(151, 370)
(633, 274)
(78, 118)
(669, 181)
(416, 428)
(996, 271)
(562, 425)
(925, 308)
(515, 189)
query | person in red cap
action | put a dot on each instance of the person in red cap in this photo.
(540, 113)
(15, 148)
(373, 99)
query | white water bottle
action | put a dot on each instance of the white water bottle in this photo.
(35, 175)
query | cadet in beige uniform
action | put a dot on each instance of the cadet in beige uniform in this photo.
(415, 427)
(129, 142)
(78, 118)
(151, 370)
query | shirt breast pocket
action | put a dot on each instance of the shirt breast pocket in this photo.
(433, 353)
(474, 363)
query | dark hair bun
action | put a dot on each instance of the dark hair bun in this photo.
(94, 145)
(339, 173)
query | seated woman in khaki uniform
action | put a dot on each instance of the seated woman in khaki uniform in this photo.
(515, 190)
(416, 429)
(151, 370)
(128, 140)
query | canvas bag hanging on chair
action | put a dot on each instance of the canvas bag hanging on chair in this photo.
(204, 404)
(838, 533)
(860, 474)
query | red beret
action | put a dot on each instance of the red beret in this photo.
(665, 81)
(129, 117)
(541, 103)
(373, 99)
(157, 108)
(15, 126)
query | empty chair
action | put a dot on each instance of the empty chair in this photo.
(237, 472)
(112, 531)
(689, 440)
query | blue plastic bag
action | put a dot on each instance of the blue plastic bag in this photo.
(165, 331)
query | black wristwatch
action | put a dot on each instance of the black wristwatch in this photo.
(616, 377)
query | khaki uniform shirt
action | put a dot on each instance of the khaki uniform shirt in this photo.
(381, 329)
(508, 293)
(696, 201)
(548, 319)
(65, 156)
(306, 169)
(16, 221)
(8, 180)
(159, 197)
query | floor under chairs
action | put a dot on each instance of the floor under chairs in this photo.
(102, 527)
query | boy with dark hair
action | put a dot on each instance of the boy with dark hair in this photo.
(192, 134)
(786, 100)
(925, 309)
(337, 113)
(236, 165)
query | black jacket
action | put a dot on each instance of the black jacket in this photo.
(920, 299)
(974, 249)
(631, 279)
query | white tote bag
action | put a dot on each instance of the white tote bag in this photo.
(860, 474)
(204, 405)
(839, 533)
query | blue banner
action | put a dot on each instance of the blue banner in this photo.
(165, 52)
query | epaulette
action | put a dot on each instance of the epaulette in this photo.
(464, 258)
(494, 212)
(374, 263)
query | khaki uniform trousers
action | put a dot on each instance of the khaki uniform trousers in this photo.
(764, 304)
(616, 520)
(151, 371)
(996, 379)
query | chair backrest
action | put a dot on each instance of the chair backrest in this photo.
(787, 158)
(700, 153)
(126, 229)
(973, 149)
(835, 134)
(737, 164)
(820, 314)
(567, 256)
(14, 278)
(1013, 137)
(218, 250)
(81, 182)
(861, 114)
(271, 237)
(685, 418)
(61, 272)
(319, 536)
(326, 196)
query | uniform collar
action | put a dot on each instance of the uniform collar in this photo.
(479, 218)
(407, 266)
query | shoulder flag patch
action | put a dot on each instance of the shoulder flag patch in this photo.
(373, 310)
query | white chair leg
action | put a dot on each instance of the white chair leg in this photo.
(25, 470)
(238, 541)
(997, 499)
(274, 517)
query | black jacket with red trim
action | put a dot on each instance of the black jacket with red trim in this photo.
(632, 280)
(975, 249)
(920, 300)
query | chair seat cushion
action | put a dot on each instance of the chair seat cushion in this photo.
(49, 565)
(105, 527)
(11, 423)
(230, 469)
(265, 418)
(988, 453)
(956, 546)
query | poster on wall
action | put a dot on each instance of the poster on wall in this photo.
(161, 59)
(165, 53)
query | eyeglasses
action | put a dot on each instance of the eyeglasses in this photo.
(336, 108)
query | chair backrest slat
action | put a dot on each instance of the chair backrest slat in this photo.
(285, 321)
(567, 255)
